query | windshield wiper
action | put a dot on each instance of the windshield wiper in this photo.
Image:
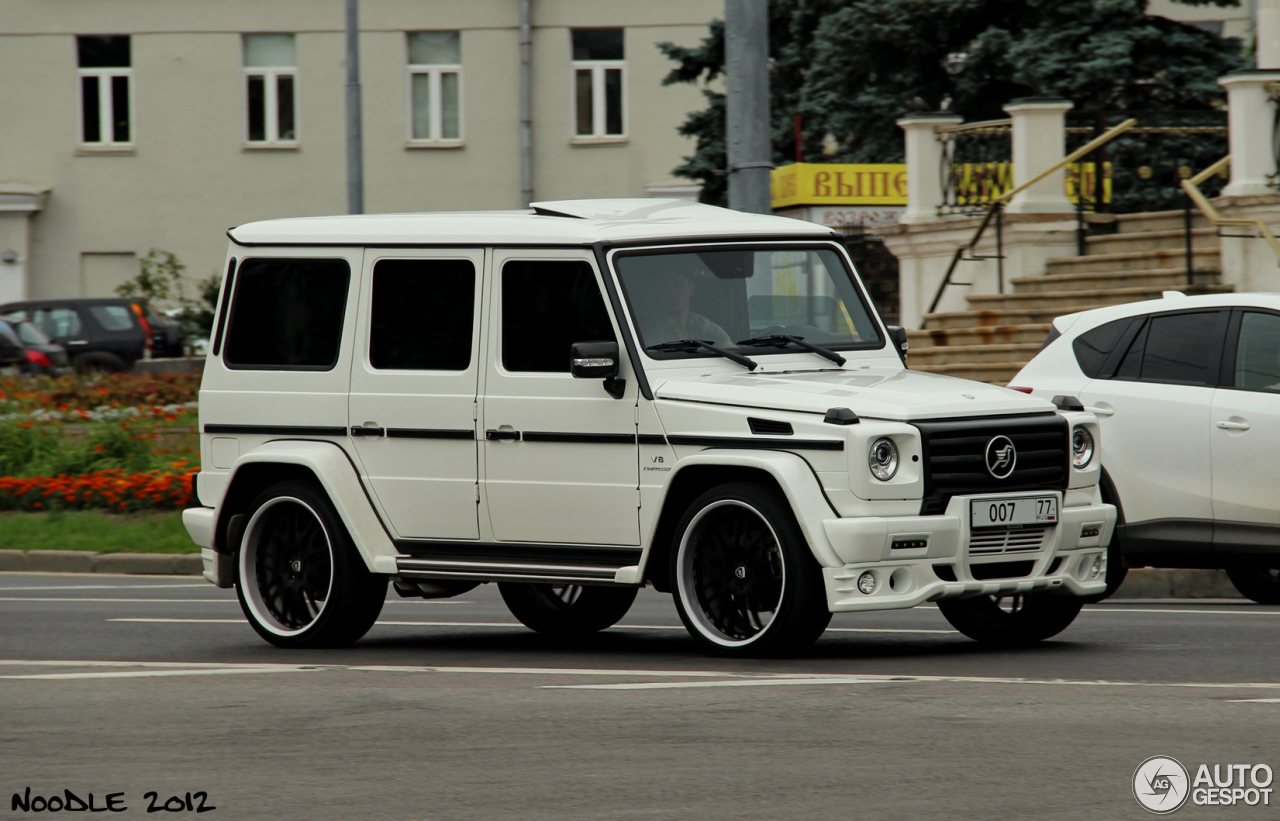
(691, 345)
(781, 340)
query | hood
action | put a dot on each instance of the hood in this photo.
(874, 393)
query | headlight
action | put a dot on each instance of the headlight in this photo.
(1081, 447)
(883, 459)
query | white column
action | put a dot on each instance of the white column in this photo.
(1039, 141)
(1251, 123)
(924, 165)
(1266, 29)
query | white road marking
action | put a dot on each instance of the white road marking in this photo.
(1187, 612)
(107, 587)
(159, 673)
(142, 601)
(681, 685)
(676, 627)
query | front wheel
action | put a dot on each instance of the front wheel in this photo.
(567, 610)
(745, 581)
(1262, 584)
(1009, 621)
(301, 581)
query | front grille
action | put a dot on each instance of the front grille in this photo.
(1001, 570)
(955, 456)
(989, 541)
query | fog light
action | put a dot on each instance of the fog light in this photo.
(1096, 569)
(867, 582)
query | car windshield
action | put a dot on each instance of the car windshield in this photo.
(30, 334)
(745, 299)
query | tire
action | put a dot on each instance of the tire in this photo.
(301, 582)
(745, 582)
(99, 361)
(566, 611)
(1011, 621)
(1262, 584)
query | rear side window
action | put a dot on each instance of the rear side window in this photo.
(422, 315)
(1092, 348)
(114, 318)
(546, 307)
(287, 314)
(1183, 348)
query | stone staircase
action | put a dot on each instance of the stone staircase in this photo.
(1144, 257)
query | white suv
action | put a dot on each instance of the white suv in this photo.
(583, 398)
(1188, 393)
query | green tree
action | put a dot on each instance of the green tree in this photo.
(851, 68)
(160, 282)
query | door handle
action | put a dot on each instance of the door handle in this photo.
(367, 430)
(77, 342)
(1101, 411)
(510, 435)
(1226, 425)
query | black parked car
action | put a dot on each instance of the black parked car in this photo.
(24, 346)
(99, 334)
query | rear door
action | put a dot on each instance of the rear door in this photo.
(413, 390)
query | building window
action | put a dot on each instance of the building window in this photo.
(106, 90)
(271, 83)
(435, 87)
(599, 83)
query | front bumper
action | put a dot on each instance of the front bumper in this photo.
(937, 557)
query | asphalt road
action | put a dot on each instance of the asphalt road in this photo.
(451, 710)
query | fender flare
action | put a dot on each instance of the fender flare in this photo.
(794, 476)
(337, 475)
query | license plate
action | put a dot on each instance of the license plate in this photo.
(1028, 510)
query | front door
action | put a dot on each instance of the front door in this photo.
(560, 454)
(413, 390)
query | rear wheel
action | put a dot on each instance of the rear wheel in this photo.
(568, 609)
(1009, 621)
(301, 581)
(745, 581)
(1262, 584)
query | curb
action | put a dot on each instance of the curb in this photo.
(1141, 583)
(84, 561)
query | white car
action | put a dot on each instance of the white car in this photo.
(587, 397)
(1187, 391)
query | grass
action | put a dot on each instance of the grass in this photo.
(160, 532)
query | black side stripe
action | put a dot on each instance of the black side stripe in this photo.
(652, 439)
(585, 438)
(735, 442)
(277, 430)
(428, 433)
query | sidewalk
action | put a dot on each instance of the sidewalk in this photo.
(1141, 583)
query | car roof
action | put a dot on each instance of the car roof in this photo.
(1172, 301)
(74, 300)
(563, 222)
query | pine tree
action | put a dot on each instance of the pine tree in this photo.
(851, 68)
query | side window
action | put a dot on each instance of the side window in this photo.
(287, 314)
(113, 318)
(1182, 348)
(546, 307)
(57, 321)
(1258, 352)
(1093, 348)
(422, 315)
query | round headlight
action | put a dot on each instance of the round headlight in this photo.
(883, 459)
(1081, 447)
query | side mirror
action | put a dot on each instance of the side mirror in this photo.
(898, 338)
(597, 360)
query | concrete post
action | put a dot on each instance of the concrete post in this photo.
(924, 165)
(1039, 141)
(1266, 29)
(750, 154)
(1251, 126)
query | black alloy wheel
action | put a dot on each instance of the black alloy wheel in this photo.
(301, 581)
(746, 583)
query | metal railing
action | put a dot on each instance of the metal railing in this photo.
(976, 165)
(996, 207)
(1192, 187)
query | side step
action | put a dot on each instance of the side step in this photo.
(505, 562)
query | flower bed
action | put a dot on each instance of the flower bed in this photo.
(73, 394)
(112, 490)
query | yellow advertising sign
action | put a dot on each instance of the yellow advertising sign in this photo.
(808, 183)
(886, 183)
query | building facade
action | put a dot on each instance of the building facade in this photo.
(140, 124)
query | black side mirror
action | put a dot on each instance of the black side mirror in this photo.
(898, 338)
(597, 360)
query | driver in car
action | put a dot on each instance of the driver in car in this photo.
(666, 317)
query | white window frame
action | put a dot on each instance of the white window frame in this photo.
(435, 71)
(106, 105)
(270, 101)
(599, 114)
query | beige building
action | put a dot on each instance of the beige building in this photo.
(136, 124)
